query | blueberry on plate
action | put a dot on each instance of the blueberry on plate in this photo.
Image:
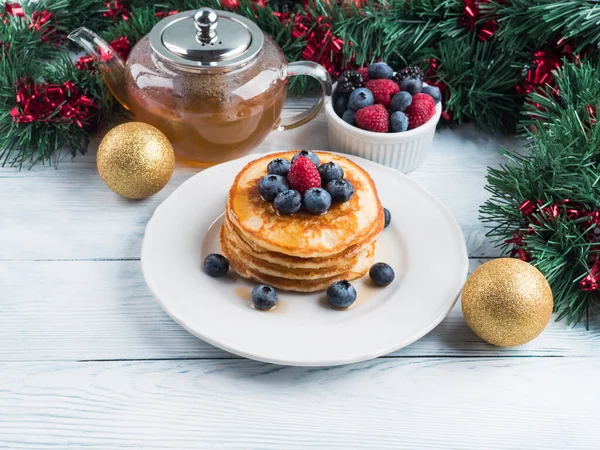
(349, 116)
(271, 185)
(264, 297)
(340, 105)
(340, 190)
(401, 101)
(288, 202)
(216, 265)
(360, 98)
(341, 294)
(398, 122)
(317, 200)
(279, 166)
(388, 217)
(433, 92)
(379, 70)
(411, 85)
(382, 274)
(308, 154)
(330, 171)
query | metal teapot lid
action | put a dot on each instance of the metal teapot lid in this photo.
(206, 38)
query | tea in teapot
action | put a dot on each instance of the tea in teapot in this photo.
(210, 80)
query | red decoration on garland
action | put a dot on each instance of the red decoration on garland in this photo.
(470, 19)
(591, 282)
(571, 210)
(163, 14)
(116, 10)
(540, 74)
(230, 4)
(518, 251)
(321, 45)
(120, 45)
(14, 10)
(52, 102)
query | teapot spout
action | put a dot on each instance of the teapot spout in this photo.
(109, 62)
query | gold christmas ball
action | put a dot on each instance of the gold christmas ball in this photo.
(135, 160)
(507, 302)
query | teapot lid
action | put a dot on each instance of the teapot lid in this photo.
(206, 38)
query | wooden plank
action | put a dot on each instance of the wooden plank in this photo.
(102, 310)
(430, 403)
(70, 214)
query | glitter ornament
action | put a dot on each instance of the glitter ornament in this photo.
(507, 302)
(135, 160)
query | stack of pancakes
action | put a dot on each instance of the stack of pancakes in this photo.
(302, 252)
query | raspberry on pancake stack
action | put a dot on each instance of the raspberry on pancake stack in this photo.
(303, 251)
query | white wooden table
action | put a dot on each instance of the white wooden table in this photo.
(89, 360)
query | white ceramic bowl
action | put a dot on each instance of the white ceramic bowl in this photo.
(403, 151)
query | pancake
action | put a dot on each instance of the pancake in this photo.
(229, 246)
(290, 261)
(360, 269)
(305, 235)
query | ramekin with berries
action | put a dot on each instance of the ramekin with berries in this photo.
(385, 116)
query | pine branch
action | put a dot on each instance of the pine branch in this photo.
(481, 80)
(561, 163)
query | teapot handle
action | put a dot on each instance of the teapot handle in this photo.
(314, 70)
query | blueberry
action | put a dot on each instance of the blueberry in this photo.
(330, 171)
(411, 85)
(433, 92)
(349, 116)
(401, 101)
(382, 274)
(340, 190)
(340, 105)
(360, 98)
(388, 217)
(216, 265)
(317, 200)
(308, 154)
(271, 185)
(398, 122)
(288, 202)
(279, 166)
(379, 70)
(264, 297)
(341, 294)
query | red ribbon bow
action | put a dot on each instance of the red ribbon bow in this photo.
(322, 46)
(52, 102)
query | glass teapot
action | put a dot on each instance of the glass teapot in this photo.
(210, 80)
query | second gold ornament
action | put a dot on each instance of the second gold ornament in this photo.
(507, 302)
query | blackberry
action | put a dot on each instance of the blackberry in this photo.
(408, 72)
(348, 81)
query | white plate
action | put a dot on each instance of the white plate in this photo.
(423, 244)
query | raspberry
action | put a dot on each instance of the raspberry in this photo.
(383, 90)
(373, 118)
(420, 110)
(303, 175)
(364, 71)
